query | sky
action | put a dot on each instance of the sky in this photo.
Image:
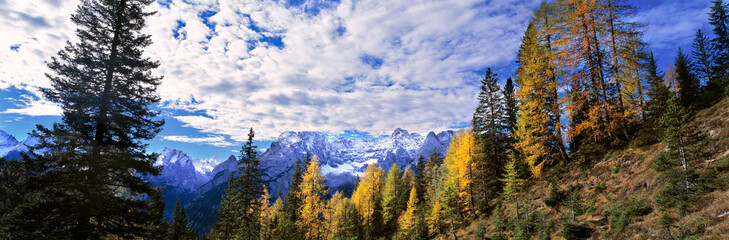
(352, 68)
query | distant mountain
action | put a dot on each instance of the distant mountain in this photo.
(10, 148)
(342, 160)
(199, 184)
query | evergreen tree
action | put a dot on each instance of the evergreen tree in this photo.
(85, 177)
(703, 58)
(420, 178)
(312, 205)
(719, 19)
(658, 96)
(494, 137)
(249, 188)
(688, 84)
(490, 107)
(293, 201)
(227, 213)
(511, 109)
(157, 229)
(391, 198)
(675, 162)
(512, 182)
(180, 226)
(239, 211)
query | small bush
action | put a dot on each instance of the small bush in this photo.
(622, 215)
(599, 188)
(663, 162)
(571, 231)
(556, 197)
(616, 169)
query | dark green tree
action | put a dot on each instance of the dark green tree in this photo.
(239, 212)
(180, 226)
(703, 58)
(420, 183)
(293, 200)
(87, 181)
(674, 163)
(227, 213)
(658, 95)
(392, 200)
(492, 128)
(688, 84)
(511, 107)
(718, 18)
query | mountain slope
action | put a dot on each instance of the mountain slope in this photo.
(620, 195)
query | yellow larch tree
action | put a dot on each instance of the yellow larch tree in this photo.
(532, 126)
(312, 207)
(408, 219)
(460, 164)
(370, 186)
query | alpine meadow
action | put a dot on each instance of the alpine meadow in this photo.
(528, 119)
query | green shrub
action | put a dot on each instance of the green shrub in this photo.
(621, 215)
(599, 188)
(556, 197)
(571, 231)
(663, 162)
(616, 169)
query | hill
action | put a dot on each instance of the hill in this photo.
(622, 195)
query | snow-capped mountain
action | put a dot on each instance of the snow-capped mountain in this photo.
(199, 184)
(179, 170)
(10, 148)
(342, 160)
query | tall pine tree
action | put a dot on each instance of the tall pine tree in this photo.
(688, 84)
(658, 95)
(719, 19)
(239, 211)
(180, 227)
(85, 177)
(703, 57)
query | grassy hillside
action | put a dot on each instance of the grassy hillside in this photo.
(620, 197)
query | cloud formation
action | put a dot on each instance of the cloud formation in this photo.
(218, 141)
(330, 66)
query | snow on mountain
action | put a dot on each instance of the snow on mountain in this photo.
(10, 148)
(343, 159)
(205, 166)
(179, 170)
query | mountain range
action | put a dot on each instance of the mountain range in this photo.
(199, 184)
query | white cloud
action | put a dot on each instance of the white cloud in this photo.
(31, 106)
(427, 52)
(218, 141)
(422, 74)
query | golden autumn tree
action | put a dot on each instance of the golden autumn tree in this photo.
(312, 207)
(532, 127)
(267, 215)
(408, 219)
(367, 199)
(332, 221)
(460, 163)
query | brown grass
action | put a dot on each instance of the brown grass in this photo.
(635, 178)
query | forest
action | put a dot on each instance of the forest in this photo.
(588, 139)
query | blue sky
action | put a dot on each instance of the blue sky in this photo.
(346, 68)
